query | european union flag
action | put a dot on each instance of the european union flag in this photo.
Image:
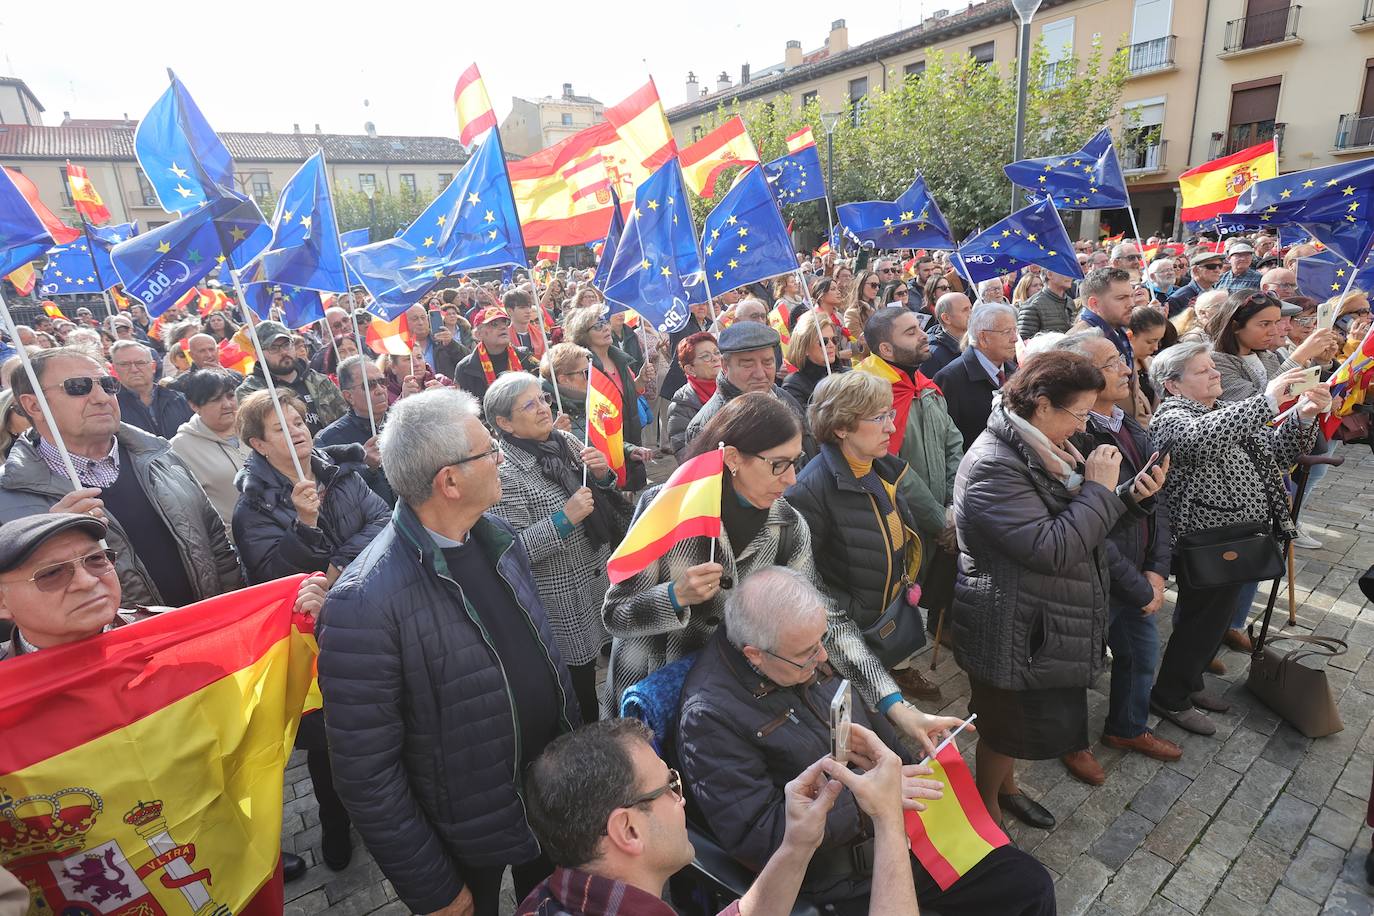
(305, 250)
(355, 238)
(1089, 179)
(23, 237)
(1332, 203)
(300, 307)
(796, 177)
(1326, 274)
(82, 266)
(657, 269)
(744, 239)
(186, 163)
(472, 224)
(612, 242)
(913, 220)
(1032, 235)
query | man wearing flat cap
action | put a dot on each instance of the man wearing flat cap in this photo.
(1205, 268)
(748, 364)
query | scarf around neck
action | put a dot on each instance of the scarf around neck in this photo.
(558, 464)
(1060, 463)
(907, 384)
(704, 387)
(512, 362)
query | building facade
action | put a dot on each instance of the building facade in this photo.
(535, 124)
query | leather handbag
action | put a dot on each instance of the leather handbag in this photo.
(1297, 692)
(1229, 555)
(899, 632)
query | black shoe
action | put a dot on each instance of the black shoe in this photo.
(1369, 867)
(1026, 811)
(292, 866)
(336, 848)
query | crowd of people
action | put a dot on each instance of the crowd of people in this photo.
(1008, 468)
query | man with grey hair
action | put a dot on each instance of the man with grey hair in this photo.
(1126, 256)
(991, 290)
(952, 311)
(355, 427)
(753, 713)
(440, 671)
(970, 381)
(144, 403)
(1050, 309)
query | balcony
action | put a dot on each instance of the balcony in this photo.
(1264, 30)
(1354, 134)
(1153, 56)
(1144, 158)
(1366, 18)
(1056, 74)
(1244, 136)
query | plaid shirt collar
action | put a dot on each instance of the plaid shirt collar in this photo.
(101, 472)
(1112, 422)
(580, 893)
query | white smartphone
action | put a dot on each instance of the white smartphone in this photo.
(1326, 316)
(1311, 378)
(841, 715)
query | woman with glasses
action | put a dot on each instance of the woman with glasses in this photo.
(1030, 601)
(564, 365)
(699, 357)
(812, 350)
(589, 328)
(861, 301)
(850, 500)
(560, 496)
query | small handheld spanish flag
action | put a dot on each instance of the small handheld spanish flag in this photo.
(687, 506)
(390, 336)
(51, 310)
(605, 421)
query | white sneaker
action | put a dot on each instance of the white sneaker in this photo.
(1306, 541)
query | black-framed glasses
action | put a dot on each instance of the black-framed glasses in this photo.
(942, 287)
(491, 453)
(83, 385)
(804, 664)
(280, 345)
(1080, 417)
(674, 786)
(779, 466)
(58, 576)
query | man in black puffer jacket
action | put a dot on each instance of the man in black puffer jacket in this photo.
(440, 674)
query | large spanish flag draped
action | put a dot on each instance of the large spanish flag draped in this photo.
(473, 106)
(726, 146)
(954, 832)
(141, 772)
(606, 420)
(687, 506)
(1212, 188)
(554, 207)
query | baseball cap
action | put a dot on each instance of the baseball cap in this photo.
(269, 331)
(21, 537)
(490, 313)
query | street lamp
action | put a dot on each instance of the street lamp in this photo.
(1025, 10)
(829, 120)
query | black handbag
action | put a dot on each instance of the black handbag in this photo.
(899, 632)
(1228, 555)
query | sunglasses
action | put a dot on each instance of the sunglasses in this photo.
(83, 385)
(57, 577)
(674, 786)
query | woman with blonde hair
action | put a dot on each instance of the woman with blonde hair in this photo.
(812, 350)
(1027, 286)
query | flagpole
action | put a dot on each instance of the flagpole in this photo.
(23, 351)
(367, 391)
(950, 740)
(90, 247)
(267, 376)
(720, 447)
(557, 395)
(587, 409)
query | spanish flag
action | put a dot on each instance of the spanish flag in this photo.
(1212, 188)
(726, 146)
(778, 319)
(51, 310)
(390, 336)
(954, 832)
(548, 253)
(802, 139)
(232, 356)
(85, 197)
(1351, 382)
(687, 506)
(24, 279)
(473, 107)
(142, 772)
(605, 420)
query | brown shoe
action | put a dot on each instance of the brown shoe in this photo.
(1147, 743)
(913, 684)
(1216, 666)
(1238, 640)
(1083, 766)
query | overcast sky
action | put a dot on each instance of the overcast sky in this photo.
(254, 65)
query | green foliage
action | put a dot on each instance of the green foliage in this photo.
(955, 124)
(393, 211)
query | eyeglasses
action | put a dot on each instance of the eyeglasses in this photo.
(942, 287)
(57, 577)
(493, 453)
(674, 786)
(139, 365)
(712, 356)
(1130, 257)
(887, 270)
(804, 664)
(1080, 417)
(870, 283)
(1215, 266)
(83, 385)
(280, 345)
(1117, 363)
(882, 419)
(532, 404)
(779, 466)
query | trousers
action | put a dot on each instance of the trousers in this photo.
(485, 883)
(1201, 616)
(1008, 882)
(1134, 640)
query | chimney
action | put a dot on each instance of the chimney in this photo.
(317, 127)
(370, 128)
(66, 116)
(838, 39)
(693, 89)
(723, 82)
(567, 90)
(939, 14)
(744, 75)
(792, 57)
(295, 128)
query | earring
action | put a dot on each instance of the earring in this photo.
(734, 472)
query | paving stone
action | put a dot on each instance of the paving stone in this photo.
(1287, 747)
(1347, 899)
(1082, 883)
(1069, 840)
(1335, 828)
(313, 902)
(1133, 886)
(1314, 779)
(1110, 799)
(1121, 839)
(1225, 838)
(1255, 873)
(1162, 906)
(1192, 885)
(1314, 869)
(1176, 833)
(1240, 749)
(1212, 787)
(1261, 783)
(1159, 794)
(1286, 822)
(1286, 902)
(1354, 778)
(1223, 904)
(1355, 808)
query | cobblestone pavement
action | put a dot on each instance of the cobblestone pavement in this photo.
(1255, 819)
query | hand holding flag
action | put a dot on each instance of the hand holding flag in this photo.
(687, 505)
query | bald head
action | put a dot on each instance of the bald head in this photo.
(1281, 281)
(952, 311)
(204, 351)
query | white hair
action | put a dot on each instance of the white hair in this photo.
(766, 603)
(1045, 340)
(423, 434)
(992, 283)
(984, 316)
(1170, 363)
(1156, 266)
(1078, 342)
(499, 401)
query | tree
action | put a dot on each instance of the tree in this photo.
(954, 123)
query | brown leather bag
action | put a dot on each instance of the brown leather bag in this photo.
(1298, 693)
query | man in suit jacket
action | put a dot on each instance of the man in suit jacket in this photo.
(989, 360)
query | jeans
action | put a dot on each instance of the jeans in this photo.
(1200, 619)
(1134, 640)
(1244, 601)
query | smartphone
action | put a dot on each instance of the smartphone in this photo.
(1326, 315)
(841, 715)
(436, 322)
(1310, 378)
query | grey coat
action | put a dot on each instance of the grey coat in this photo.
(28, 486)
(1045, 312)
(1237, 382)
(684, 405)
(1030, 602)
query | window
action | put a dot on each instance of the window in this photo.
(408, 183)
(66, 186)
(983, 53)
(261, 184)
(916, 70)
(1267, 21)
(1141, 146)
(808, 98)
(858, 91)
(1058, 39)
(367, 183)
(1254, 108)
(697, 133)
(444, 179)
(567, 119)
(145, 189)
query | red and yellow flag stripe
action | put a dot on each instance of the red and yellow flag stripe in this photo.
(687, 506)
(954, 832)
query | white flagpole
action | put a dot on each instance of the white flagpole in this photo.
(367, 390)
(950, 740)
(38, 393)
(267, 377)
(587, 407)
(810, 304)
(720, 447)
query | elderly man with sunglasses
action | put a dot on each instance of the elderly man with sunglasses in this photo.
(172, 546)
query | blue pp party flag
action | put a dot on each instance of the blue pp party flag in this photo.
(1089, 179)
(305, 250)
(184, 160)
(23, 237)
(657, 269)
(84, 265)
(611, 243)
(744, 239)
(472, 224)
(913, 220)
(1032, 235)
(796, 177)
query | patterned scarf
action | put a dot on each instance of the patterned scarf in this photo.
(512, 363)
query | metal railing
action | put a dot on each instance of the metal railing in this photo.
(1233, 141)
(1143, 157)
(1262, 29)
(1057, 74)
(1156, 54)
(1354, 131)
(1368, 15)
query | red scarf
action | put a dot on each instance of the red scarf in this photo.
(905, 388)
(704, 387)
(512, 364)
